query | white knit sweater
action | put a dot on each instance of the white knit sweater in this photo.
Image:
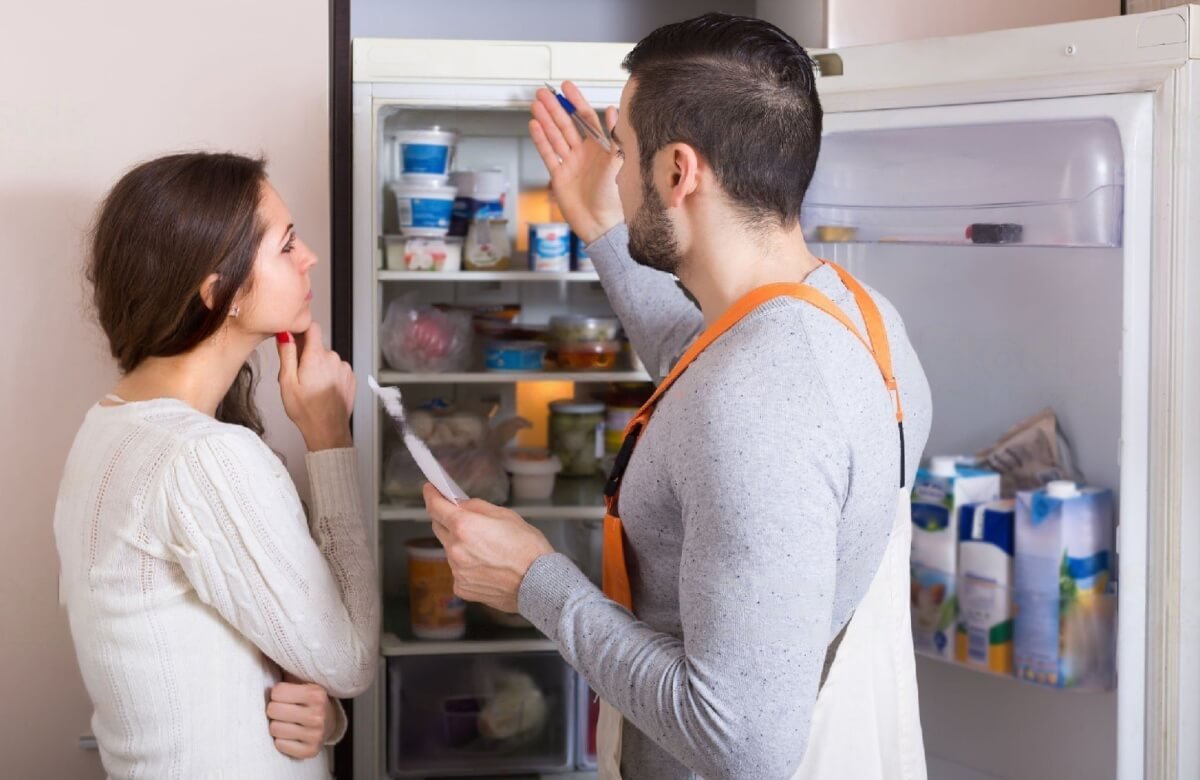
(191, 577)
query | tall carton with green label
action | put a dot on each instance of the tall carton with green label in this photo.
(938, 493)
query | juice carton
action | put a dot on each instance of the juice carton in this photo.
(1063, 632)
(938, 493)
(984, 638)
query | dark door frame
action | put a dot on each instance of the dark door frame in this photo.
(341, 243)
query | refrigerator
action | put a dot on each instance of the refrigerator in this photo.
(1084, 134)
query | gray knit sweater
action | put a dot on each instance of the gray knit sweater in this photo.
(756, 508)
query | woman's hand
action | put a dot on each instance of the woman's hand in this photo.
(303, 717)
(489, 548)
(583, 176)
(317, 388)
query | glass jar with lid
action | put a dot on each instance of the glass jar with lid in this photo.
(577, 436)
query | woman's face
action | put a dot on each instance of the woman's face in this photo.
(280, 291)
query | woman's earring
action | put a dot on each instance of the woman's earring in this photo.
(234, 310)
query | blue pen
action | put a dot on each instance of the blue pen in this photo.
(572, 112)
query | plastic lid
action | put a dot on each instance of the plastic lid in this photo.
(473, 183)
(415, 132)
(590, 347)
(1062, 488)
(576, 407)
(576, 319)
(549, 226)
(944, 466)
(427, 187)
(531, 462)
(523, 345)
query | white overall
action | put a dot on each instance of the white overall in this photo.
(866, 724)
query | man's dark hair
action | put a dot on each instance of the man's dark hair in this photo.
(742, 92)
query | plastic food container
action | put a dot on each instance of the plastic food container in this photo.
(480, 196)
(427, 153)
(616, 420)
(579, 257)
(571, 328)
(577, 436)
(435, 611)
(533, 473)
(425, 254)
(550, 247)
(487, 246)
(515, 355)
(423, 209)
(588, 355)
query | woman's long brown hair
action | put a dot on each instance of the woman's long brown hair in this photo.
(163, 229)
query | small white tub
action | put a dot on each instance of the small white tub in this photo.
(423, 209)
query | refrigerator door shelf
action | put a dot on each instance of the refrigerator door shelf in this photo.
(1091, 221)
(1048, 182)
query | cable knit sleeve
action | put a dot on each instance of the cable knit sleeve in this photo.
(302, 590)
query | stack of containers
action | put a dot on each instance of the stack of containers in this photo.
(424, 197)
(582, 343)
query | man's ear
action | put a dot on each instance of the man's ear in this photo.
(207, 288)
(685, 169)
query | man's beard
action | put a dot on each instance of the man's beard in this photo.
(652, 236)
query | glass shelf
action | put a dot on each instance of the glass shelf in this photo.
(509, 377)
(575, 498)
(481, 637)
(487, 276)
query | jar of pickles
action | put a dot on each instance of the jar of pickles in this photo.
(577, 436)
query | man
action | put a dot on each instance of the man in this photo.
(758, 512)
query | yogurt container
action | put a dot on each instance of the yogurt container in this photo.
(533, 473)
(436, 613)
(426, 153)
(579, 258)
(550, 247)
(423, 209)
(480, 196)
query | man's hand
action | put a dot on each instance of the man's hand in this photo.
(583, 177)
(302, 717)
(489, 548)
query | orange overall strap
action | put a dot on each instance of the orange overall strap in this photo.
(615, 572)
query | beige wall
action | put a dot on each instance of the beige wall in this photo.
(87, 90)
(856, 22)
(840, 23)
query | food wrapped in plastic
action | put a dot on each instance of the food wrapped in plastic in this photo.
(467, 446)
(515, 712)
(424, 339)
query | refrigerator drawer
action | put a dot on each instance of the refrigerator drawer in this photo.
(456, 715)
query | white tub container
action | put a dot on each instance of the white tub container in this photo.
(426, 153)
(423, 209)
(533, 473)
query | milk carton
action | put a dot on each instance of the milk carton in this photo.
(938, 493)
(984, 638)
(1063, 632)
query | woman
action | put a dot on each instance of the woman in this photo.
(193, 581)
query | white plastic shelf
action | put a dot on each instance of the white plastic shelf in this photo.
(391, 645)
(487, 276)
(575, 498)
(510, 377)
